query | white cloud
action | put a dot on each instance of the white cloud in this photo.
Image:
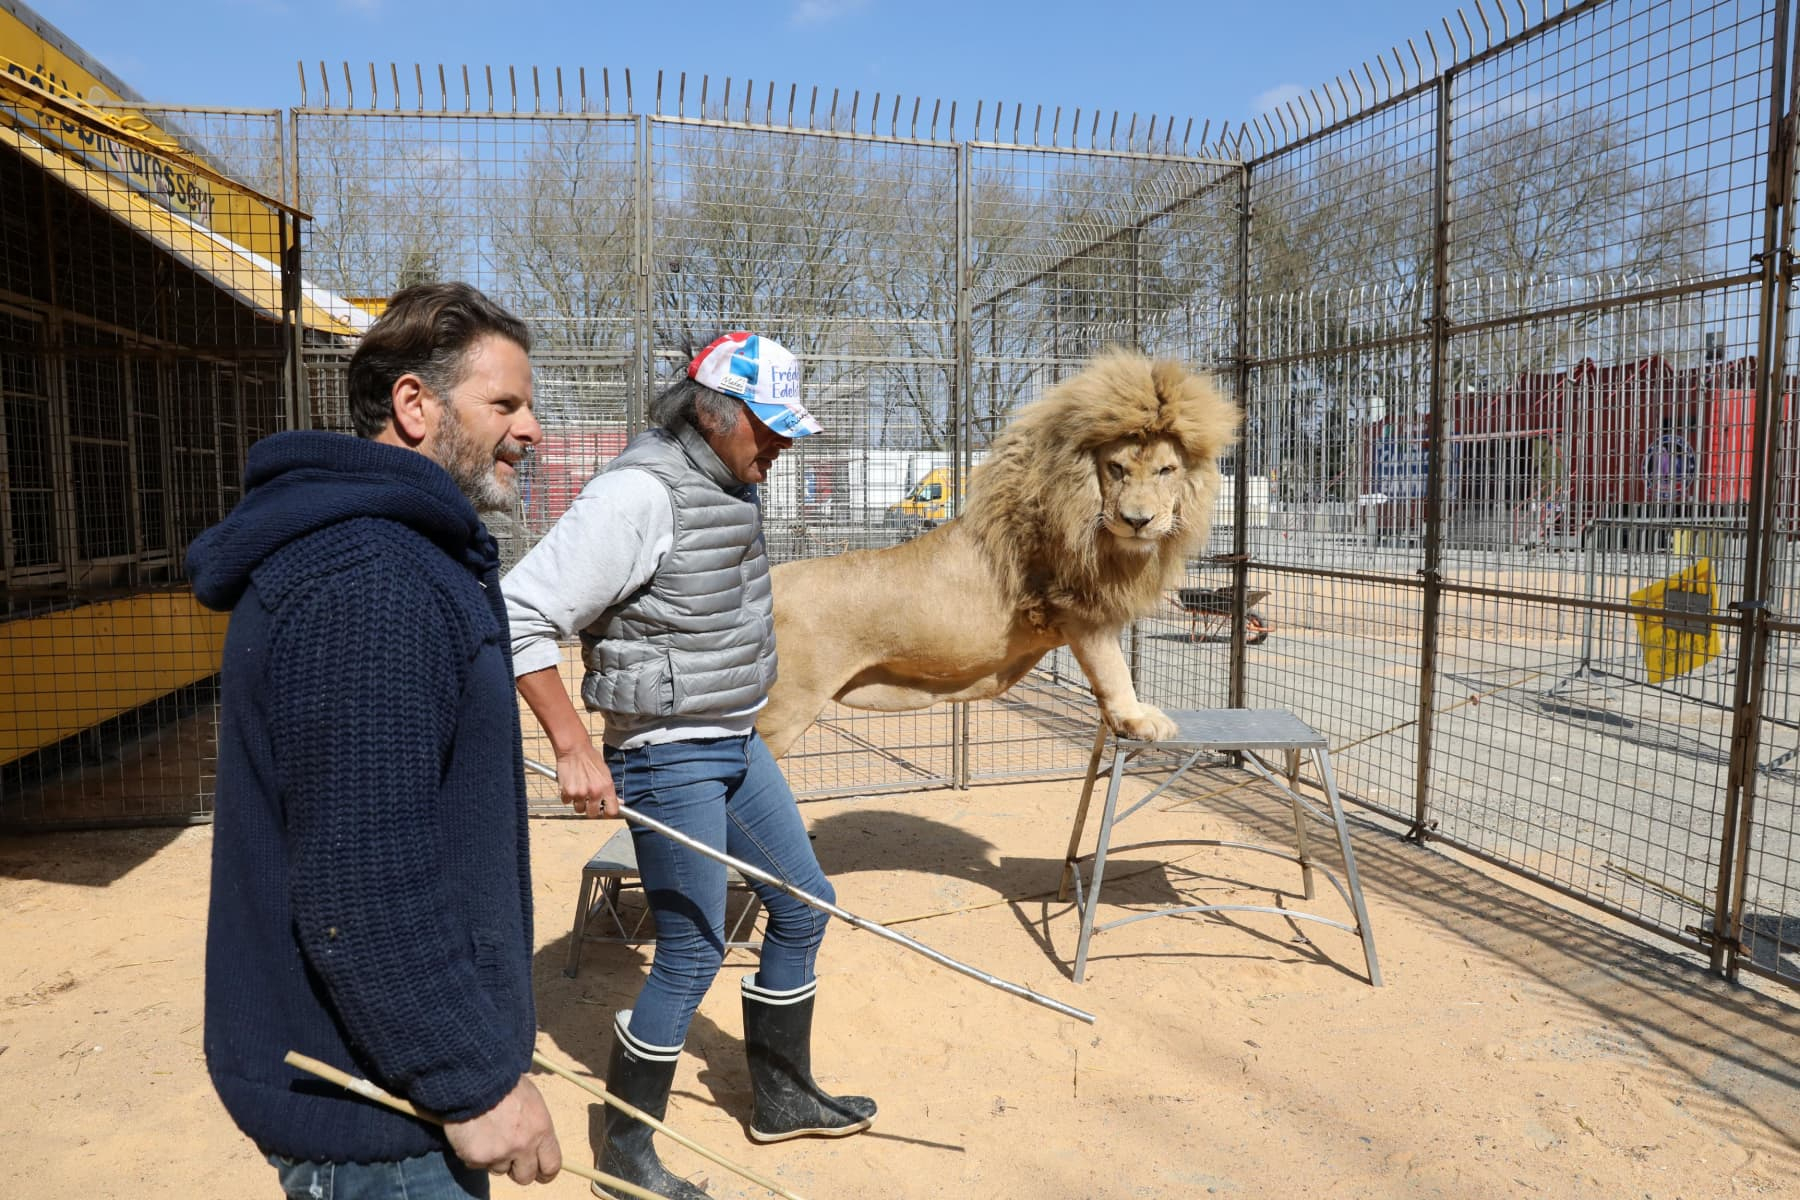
(820, 12)
(1275, 98)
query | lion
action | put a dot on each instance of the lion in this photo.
(1083, 516)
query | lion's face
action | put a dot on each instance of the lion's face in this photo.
(1140, 491)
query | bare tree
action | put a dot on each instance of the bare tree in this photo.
(761, 230)
(1548, 207)
(384, 208)
(916, 288)
(1569, 193)
(1100, 252)
(561, 238)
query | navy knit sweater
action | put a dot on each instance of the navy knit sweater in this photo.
(371, 901)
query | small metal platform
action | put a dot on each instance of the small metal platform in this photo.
(611, 873)
(1253, 732)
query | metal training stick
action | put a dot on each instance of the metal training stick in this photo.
(850, 918)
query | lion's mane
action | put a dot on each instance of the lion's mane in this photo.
(1034, 504)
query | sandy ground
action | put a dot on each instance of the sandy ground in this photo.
(1517, 1049)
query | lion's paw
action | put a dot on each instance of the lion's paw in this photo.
(1145, 723)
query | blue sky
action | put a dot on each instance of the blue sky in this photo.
(1223, 62)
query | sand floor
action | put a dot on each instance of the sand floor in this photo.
(1517, 1049)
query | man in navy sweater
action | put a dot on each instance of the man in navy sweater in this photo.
(371, 890)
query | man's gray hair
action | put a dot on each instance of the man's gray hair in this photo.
(688, 401)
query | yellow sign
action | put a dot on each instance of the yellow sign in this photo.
(27, 55)
(1678, 639)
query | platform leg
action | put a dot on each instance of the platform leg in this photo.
(1092, 898)
(573, 966)
(1087, 794)
(1322, 758)
(1302, 849)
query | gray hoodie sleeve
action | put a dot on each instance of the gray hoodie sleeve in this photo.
(608, 544)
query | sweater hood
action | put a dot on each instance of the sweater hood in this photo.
(299, 482)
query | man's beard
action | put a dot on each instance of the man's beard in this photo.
(473, 468)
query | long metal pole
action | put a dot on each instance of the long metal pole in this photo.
(849, 918)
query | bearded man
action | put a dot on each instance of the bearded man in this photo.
(371, 887)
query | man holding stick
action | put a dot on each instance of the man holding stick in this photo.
(659, 565)
(371, 888)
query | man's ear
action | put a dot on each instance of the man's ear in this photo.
(412, 404)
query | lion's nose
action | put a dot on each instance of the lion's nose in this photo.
(1135, 522)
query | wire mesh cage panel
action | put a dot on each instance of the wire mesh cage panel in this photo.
(1767, 900)
(146, 331)
(1344, 655)
(583, 402)
(249, 145)
(843, 248)
(850, 487)
(836, 246)
(539, 211)
(1650, 422)
(1180, 655)
(1336, 445)
(1340, 285)
(1071, 252)
(1615, 798)
(1664, 590)
(1624, 147)
(1350, 208)
(1505, 331)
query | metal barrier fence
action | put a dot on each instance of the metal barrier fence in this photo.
(929, 285)
(149, 324)
(1508, 315)
(1515, 367)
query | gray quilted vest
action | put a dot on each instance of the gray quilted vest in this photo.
(700, 638)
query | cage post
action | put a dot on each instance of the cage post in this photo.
(959, 416)
(1237, 687)
(643, 322)
(297, 406)
(299, 412)
(296, 412)
(1775, 266)
(1431, 574)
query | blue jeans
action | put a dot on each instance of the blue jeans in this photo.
(439, 1176)
(729, 794)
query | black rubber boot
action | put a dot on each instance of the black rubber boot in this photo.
(778, 1042)
(639, 1074)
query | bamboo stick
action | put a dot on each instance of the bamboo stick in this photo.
(370, 1091)
(606, 1097)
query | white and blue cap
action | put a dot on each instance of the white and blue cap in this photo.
(762, 373)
